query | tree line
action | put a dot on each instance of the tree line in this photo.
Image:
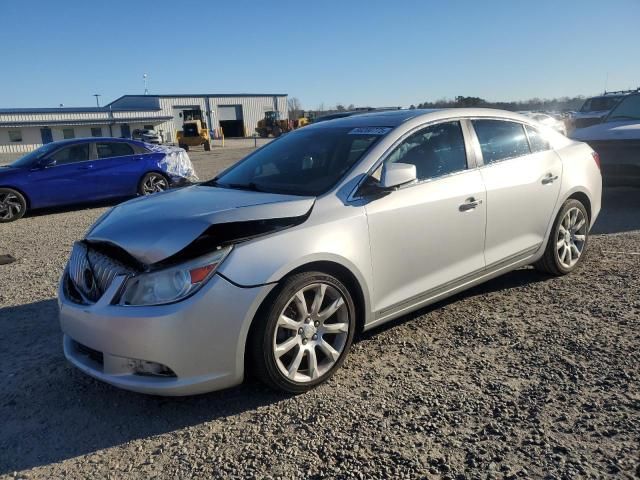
(562, 104)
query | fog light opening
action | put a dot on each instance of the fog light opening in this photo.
(150, 369)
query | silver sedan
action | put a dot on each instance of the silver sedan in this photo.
(275, 264)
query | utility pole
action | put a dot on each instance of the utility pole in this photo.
(97, 95)
(146, 90)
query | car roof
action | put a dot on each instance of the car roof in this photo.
(71, 141)
(394, 118)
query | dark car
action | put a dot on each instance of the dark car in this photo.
(89, 170)
(617, 141)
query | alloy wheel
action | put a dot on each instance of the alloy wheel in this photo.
(311, 333)
(571, 238)
(154, 183)
(10, 206)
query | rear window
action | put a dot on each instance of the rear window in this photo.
(113, 149)
(500, 140)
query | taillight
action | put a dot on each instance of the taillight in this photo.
(596, 158)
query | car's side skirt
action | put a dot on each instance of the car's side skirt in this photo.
(455, 286)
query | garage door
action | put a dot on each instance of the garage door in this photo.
(230, 112)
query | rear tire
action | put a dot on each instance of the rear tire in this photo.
(13, 205)
(277, 131)
(207, 146)
(303, 333)
(568, 240)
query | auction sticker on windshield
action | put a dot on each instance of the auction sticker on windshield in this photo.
(370, 131)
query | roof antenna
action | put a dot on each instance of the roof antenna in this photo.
(146, 90)
(97, 95)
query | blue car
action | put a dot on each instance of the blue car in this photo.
(89, 170)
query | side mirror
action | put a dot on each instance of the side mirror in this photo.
(46, 163)
(396, 174)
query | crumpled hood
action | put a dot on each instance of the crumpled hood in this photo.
(627, 130)
(154, 228)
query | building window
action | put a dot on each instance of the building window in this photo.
(96, 131)
(68, 133)
(15, 135)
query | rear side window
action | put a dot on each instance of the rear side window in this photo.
(71, 154)
(435, 151)
(500, 140)
(537, 142)
(113, 149)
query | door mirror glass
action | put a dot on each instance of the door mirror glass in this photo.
(397, 174)
(47, 162)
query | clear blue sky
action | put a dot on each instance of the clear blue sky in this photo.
(363, 52)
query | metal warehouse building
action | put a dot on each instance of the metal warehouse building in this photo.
(231, 115)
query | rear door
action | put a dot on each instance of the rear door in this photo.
(118, 168)
(522, 175)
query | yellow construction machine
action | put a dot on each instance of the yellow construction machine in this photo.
(272, 125)
(194, 133)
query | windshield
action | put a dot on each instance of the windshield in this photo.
(306, 162)
(599, 104)
(31, 158)
(628, 109)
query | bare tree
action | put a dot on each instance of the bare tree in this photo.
(295, 108)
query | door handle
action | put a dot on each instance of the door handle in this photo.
(469, 204)
(549, 178)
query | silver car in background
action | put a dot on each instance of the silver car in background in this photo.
(275, 264)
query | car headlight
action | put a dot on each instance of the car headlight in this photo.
(172, 284)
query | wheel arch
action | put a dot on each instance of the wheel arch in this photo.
(341, 272)
(21, 192)
(583, 198)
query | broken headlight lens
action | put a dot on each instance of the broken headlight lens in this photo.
(174, 283)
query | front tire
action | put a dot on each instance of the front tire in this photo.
(568, 239)
(13, 205)
(304, 334)
(153, 182)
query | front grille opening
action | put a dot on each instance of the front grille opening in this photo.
(72, 292)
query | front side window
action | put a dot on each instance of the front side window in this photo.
(15, 135)
(435, 151)
(500, 140)
(71, 154)
(304, 162)
(113, 149)
(536, 140)
(68, 133)
(96, 131)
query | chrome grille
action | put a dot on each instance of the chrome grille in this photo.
(92, 272)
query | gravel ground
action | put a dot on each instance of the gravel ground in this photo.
(526, 376)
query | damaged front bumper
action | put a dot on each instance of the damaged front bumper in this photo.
(190, 347)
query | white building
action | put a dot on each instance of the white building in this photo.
(234, 115)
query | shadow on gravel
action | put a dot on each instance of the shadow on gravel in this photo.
(517, 278)
(51, 412)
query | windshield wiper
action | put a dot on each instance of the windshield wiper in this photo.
(251, 186)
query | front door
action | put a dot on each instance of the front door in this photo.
(47, 136)
(522, 175)
(67, 178)
(426, 236)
